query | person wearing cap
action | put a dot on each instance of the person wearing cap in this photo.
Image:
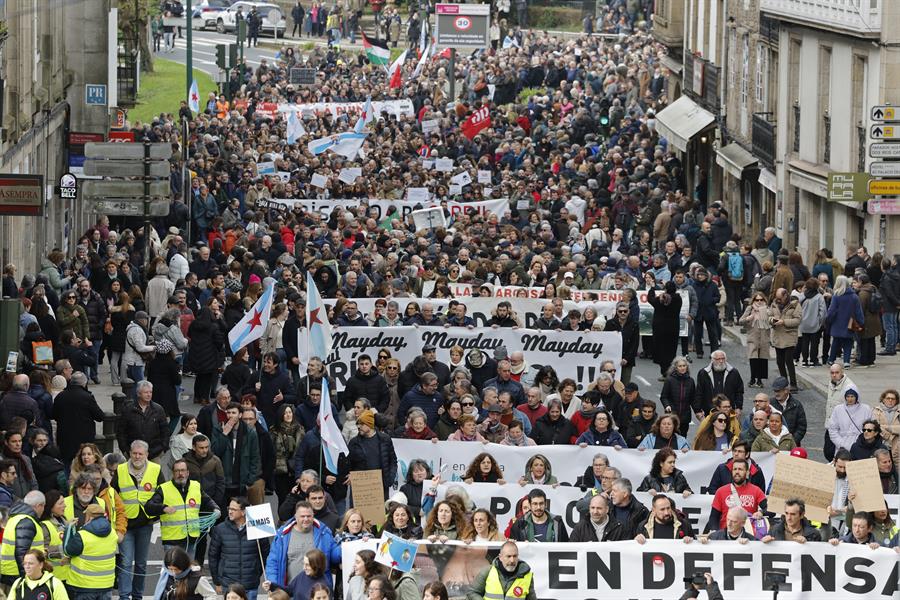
(492, 429)
(373, 449)
(92, 550)
(136, 347)
(791, 409)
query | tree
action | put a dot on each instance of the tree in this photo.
(134, 24)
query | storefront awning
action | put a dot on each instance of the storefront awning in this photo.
(734, 159)
(681, 121)
(767, 180)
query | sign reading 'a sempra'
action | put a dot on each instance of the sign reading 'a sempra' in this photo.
(21, 195)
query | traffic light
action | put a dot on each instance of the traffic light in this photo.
(220, 56)
(232, 56)
(241, 31)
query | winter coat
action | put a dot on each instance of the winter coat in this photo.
(655, 484)
(890, 429)
(49, 470)
(25, 531)
(650, 442)
(208, 471)
(707, 300)
(158, 291)
(523, 529)
(446, 426)
(732, 387)
(18, 404)
(387, 457)
(666, 318)
(631, 338)
(427, 402)
(846, 423)
(271, 384)
(785, 335)
(95, 308)
(285, 439)
(57, 281)
(873, 318)
(308, 456)
(151, 425)
(722, 476)
(165, 375)
(592, 437)
(73, 318)
(841, 310)
(372, 387)
(164, 329)
(766, 441)
(584, 531)
(323, 539)
(890, 289)
(76, 407)
(247, 455)
(759, 331)
(233, 558)
(809, 532)
(813, 313)
(136, 341)
(560, 431)
(861, 449)
(208, 335)
(679, 392)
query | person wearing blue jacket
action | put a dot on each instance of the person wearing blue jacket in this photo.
(280, 571)
(844, 305)
(600, 434)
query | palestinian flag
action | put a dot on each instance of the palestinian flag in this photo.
(377, 51)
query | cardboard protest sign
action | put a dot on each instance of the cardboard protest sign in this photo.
(865, 484)
(809, 480)
(368, 495)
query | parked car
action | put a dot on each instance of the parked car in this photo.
(206, 12)
(226, 20)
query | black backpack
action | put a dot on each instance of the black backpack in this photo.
(876, 302)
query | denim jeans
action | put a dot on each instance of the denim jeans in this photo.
(135, 373)
(96, 346)
(889, 320)
(134, 550)
(840, 344)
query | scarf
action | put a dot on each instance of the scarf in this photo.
(24, 470)
(522, 441)
(411, 434)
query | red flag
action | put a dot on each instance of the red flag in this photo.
(442, 54)
(480, 119)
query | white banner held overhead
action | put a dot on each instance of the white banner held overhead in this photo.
(568, 462)
(574, 354)
(498, 207)
(397, 108)
(657, 569)
(429, 218)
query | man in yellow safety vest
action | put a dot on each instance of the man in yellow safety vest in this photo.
(508, 578)
(23, 532)
(179, 503)
(136, 480)
(92, 548)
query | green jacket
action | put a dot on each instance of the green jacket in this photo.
(247, 455)
(74, 318)
(57, 281)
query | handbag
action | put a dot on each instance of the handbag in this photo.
(854, 326)
(107, 327)
(42, 352)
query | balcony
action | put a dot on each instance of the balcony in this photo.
(668, 23)
(764, 139)
(860, 18)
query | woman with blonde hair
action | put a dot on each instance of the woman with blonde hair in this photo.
(88, 454)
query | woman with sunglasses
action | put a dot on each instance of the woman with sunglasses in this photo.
(71, 316)
(392, 378)
(758, 319)
(715, 434)
(383, 355)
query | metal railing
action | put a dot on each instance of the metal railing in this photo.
(860, 17)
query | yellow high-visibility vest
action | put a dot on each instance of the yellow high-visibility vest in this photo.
(95, 567)
(54, 546)
(134, 497)
(8, 564)
(493, 588)
(185, 521)
(69, 512)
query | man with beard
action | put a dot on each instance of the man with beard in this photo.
(503, 316)
(663, 524)
(794, 527)
(841, 487)
(720, 377)
(600, 527)
(506, 574)
(740, 450)
(539, 525)
(179, 503)
(740, 493)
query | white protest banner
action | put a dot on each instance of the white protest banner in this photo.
(656, 569)
(417, 194)
(462, 179)
(455, 189)
(429, 218)
(568, 462)
(428, 165)
(498, 207)
(573, 353)
(318, 180)
(349, 175)
(484, 177)
(443, 164)
(260, 523)
(284, 176)
(265, 168)
(396, 108)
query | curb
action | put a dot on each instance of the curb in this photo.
(805, 377)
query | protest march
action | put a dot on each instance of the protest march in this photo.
(446, 328)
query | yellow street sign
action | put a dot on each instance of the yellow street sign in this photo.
(884, 187)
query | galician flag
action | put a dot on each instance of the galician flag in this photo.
(253, 324)
(333, 444)
(377, 51)
(346, 144)
(317, 321)
(365, 118)
(194, 97)
(294, 127)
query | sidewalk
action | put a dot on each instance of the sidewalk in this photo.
(871, 381)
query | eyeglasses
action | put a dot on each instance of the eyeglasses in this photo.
(393, 368)
(468, 404)
(622, 311)
(722, 420)
(383, 357)
(869, 430)
(609, 370)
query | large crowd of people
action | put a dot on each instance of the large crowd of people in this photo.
(596, 202)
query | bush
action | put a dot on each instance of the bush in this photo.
(555, 17)
(527, 93)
